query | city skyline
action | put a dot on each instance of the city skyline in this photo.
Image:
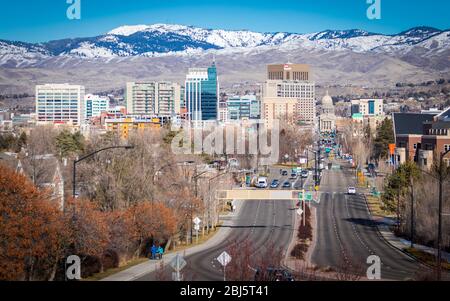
(293, 16)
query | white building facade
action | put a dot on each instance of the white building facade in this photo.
(368, 107)
(94, 105)
(60, 104)
(289, 99)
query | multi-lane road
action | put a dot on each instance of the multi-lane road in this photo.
(261, 222)
(346, 235)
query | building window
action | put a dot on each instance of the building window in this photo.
(415, 145)
(446, 147)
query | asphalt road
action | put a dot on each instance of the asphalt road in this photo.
(262, 222)
(347, 236)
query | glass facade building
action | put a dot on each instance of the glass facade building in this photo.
(95, 105)
(201, 94)
(243, 107)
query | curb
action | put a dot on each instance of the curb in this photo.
(199, 246)
(391, 245)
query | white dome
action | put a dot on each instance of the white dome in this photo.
(327, 100)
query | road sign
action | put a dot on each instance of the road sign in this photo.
(300, 211)
(176, 276)
(224, 259)
(196, 227)
(178, 263)
(197, 221)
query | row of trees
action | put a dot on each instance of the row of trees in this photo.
(128, 200)
(413, 195)
(36, 236)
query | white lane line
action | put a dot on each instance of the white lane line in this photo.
(333, 217)
(256, 217)
(354, 227)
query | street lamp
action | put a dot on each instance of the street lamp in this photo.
(316, 165)
(74, 179)
(441, 180)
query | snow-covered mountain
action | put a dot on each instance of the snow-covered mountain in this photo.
(166, 39)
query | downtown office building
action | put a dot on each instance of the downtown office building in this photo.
(288, 94)
(202, 94)
(153, 98)
(95, 104)
(60, 104)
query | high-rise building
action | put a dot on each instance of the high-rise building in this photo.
(153, 98)
(60, 104)
(292, 100)
(202, 94)
(94, 105)
(297, 72)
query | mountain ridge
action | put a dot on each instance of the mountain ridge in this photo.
(161, 39)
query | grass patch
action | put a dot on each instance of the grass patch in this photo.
(107, 273)
(286, 165)
(428, 258)
(133, 262)
(375, 207)
(201, 240)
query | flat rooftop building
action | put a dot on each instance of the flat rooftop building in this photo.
(296, 72)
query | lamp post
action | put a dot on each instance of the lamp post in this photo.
(316, 166)
(441, 180)
(74, 175)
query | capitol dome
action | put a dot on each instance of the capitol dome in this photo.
(327, 101)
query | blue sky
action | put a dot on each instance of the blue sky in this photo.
(43, 20)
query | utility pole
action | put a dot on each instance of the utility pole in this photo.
(412, 212)
(439, 238)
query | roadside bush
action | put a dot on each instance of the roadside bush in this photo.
(299, 251)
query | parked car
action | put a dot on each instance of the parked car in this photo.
(351, 190)
(304, 174)
(294, 175)
(284, 173)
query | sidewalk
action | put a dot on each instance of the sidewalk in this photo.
(383, 226)
(142, 269)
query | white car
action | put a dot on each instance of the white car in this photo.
(351, 190)
(262, 182)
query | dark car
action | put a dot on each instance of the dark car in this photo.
(275, 184)
(287, 184)
(274, 274)
(284, 173)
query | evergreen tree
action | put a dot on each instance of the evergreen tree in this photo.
(384, 137)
